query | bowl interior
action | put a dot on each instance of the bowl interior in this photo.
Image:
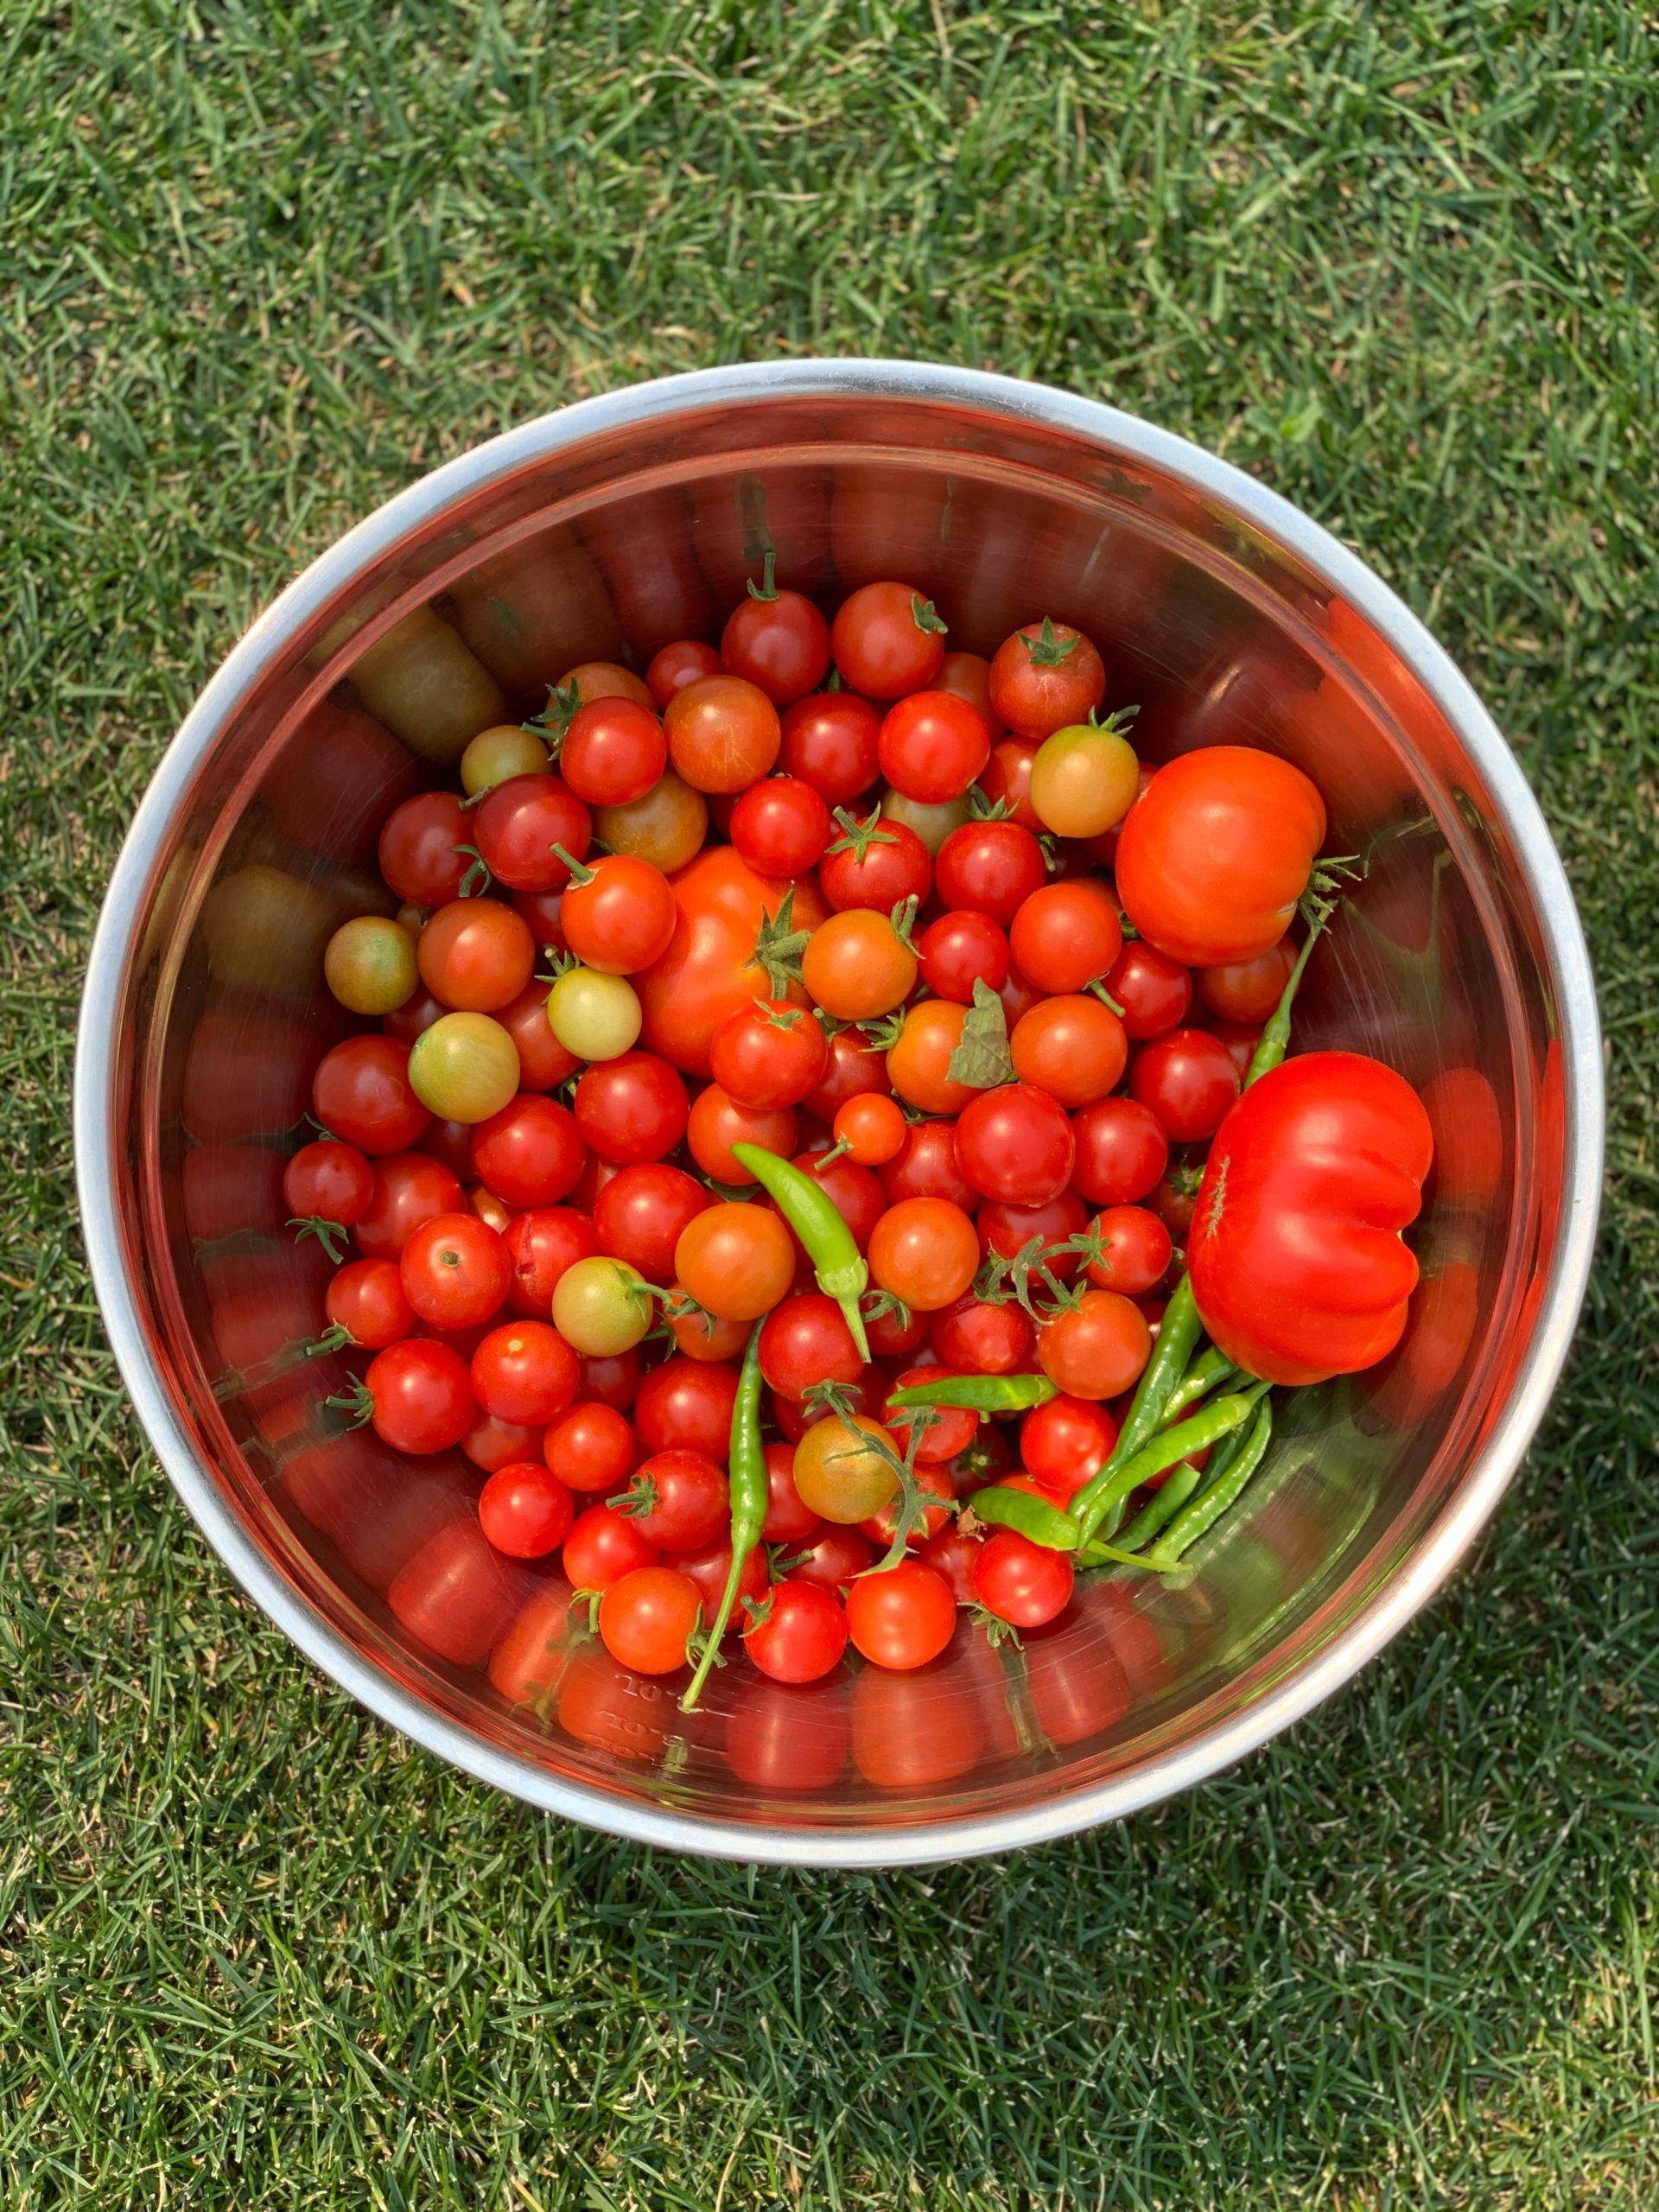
(554, 548)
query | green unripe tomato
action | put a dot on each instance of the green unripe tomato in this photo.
(593, 1016)
(464, 1068)
(1083, 780)
(370, 964)
(932, 823)
(495, 753)
(602, 1306)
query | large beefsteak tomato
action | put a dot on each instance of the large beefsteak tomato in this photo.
(709, 970)
(1213, 856)
(1295, 1254)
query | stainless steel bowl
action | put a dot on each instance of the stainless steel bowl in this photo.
(1227, 614)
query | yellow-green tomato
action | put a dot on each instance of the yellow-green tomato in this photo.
(931, 822)
(464, 1068)
(1083, 780)
(593, 1016)
(839, 1474)
(501, 751)
(370, 964)
(601, 1307)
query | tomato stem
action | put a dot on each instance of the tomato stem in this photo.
(767, 591)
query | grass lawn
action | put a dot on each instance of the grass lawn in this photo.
(260, 264)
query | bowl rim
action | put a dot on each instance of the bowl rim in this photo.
(1459, 1522)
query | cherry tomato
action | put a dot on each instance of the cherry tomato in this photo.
(794, 1416)
(769, 1054)
(530, 1153)
(723, 733)
(840, 1473)
(620, 916)
(369, 965)
(365, 1298)
(362, 1094)
(736, 1261)
(455, 1271)
(933, 820)
(935, 1481)
(806, 1341)
(1153, 991)
(601, 1307)
(685, 1405)
(718, 1123)
(856, 965)
(951, 1431)
(710, 972)
(495, 754)
(968, 676)
(409, 1188)
(594, 1013)
(328, 1181)
(925, 1252)
(667, 827)
(976, 1339)
(872, 1129)
(464, 1068)
(678, 1500)
(989, 867)
(451, 1143)
(1007, 1229)
(1135, 1250)
(523, 1371)
(959, 951)
(591, 1449)
(423, 1399)
(633, 1108)
(1121, 1151)
(778, 642)
(1188, 1079)
(789, 1519)
(543, 913)
(614, 752)
(1046, 676)
(780, 826)
(708, 1568)
(603, 679)
(1022, 1582)
(918, 1064)
(523, 1511)
(927, 1168)
(476, 955)
(933, 746)
(887, 640)
(541, 1243)
(685, 660)
(1249, 990)
(875, 863)
(1241, 1039)
(1006, 781)
(1015, 1144)
(1083, 780)
(640, 1214)
(1174, 1198)
(413, 1017)
(490, 1442)
(1066, 1442)
(646, 1617)
(1097, 1348)
(855, 1069)
(419, 852)
(1073, 1048)
(834, 1556)
(902, 1618)
(544, 1063)
(611, 1378)
(1213, 859)
(831, 742)
(604, 1545)
(1067, 934)
(801, 1632)
(517, 827)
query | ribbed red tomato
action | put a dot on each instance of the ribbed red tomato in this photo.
(709, 971)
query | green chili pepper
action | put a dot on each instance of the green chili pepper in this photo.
(1274, 1041)
(1211, 1367)
(822, 1227)
(1119, 1477)
(1163, 1505)
(1027, 1515)
(746, 1477)
(980, 1394)
(1207, 1508)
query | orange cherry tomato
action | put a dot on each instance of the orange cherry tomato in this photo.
(918, 1064)
(856, 965)
(1072, 1047)
(736, 1261)
(718, 1123)
(872, 1128)
(723, 733)
(925, 1252)
(476, 955)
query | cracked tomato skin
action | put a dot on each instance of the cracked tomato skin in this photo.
(1215, 853)
(709, 971)
(1295, 1253)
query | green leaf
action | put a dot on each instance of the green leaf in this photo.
(780, 945)
(982, 1060)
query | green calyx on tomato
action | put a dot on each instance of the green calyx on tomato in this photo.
(1047, 650)
(779, 946)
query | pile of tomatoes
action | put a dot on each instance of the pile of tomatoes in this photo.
(830, 889)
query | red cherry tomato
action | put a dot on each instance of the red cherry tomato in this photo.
(902, 1618)
(1097, 1348)
(989, 867)
(951, 1431)
(1188, 1079)
(1154, 990)
(678, 1500)
(612, 1378)
(709, 1569)
(932, 746)
(523, 1511)
(959, 951)
(718, 1123)
(769, 1054)
(1065, 1442)
(1072, 1047)
(834, 1557)
(801, 1633)
(540, 1245)
(604, 1545)
(517, 825)
(976, 1339)
(874, 863)
(1297, 1263)
(544, 1063)
(1249, 990)
(685, 1405)
(633, 1108)
(780, 826)
(790, 1519)
(934, 1481)
(778, 642)
(476, 955)
(887, 640)
(1015, 1144)
(614, 752)
(420, 855)
(684, 660)
(924, 1251)
(646, 1617)
(409, 1188)
(1022, 1582)
(360, 1094)
(1007, 1229)
(328, 1181)
(831, 742)
(928, 1167)
(1045, 677)
(1006, 780)
(968, 676)
(709, 970)
(855, 1192)
(639, 1215)
(620, 917)
(365, 1298)
(530, 1153)
(1135, 1250)
(524, 1372)
(872, 1129)
(1121, 1151)
(592, 1448)
(421, 1397)
(1067, 934)
(951, 1554)
(455, 1272)
(806, 1341)
(491, 1442)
